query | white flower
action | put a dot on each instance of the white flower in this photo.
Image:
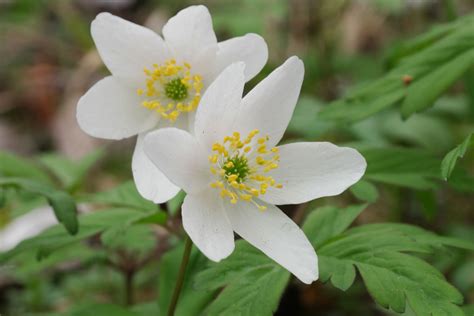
(233, 175)
(158, 82)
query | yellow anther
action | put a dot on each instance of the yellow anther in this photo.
(232, 178)
(178, 99)
(241, 178)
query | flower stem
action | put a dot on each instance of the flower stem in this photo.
(179, 281)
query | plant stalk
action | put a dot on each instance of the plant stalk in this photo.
(180, 280)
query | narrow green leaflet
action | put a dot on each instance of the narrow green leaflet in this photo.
(424, 92)
(420, 77)
(192, 300)
(253, 283)
(410, 168)
(450, 160)
(63, 204)
(382, 255)
(16, 166)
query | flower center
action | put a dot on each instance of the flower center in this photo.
(171, 89)
(241, 165)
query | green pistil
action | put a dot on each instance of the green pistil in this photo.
(240, 168)
(176, 90)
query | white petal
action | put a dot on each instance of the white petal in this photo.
(250, 49)
(180, 157)
(126, 48)
(269, 106)
(219, 106)
(152, 184)
(112, 110)
(277, 236)
(205, 221)
(189, 32)
(312, 170)
(26, 226)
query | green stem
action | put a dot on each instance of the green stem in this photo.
(179, 281)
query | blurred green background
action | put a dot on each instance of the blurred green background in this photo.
(48, 61)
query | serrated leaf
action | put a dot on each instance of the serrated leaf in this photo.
(329, 221)
(450, 160)
(191, 300)
(253, 283)
(393, 277)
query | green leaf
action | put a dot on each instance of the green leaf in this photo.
(329, 221)
(253, 283)
(365, 191)
(422, 93)
(421, 76)
(16, 166)
(191, 300)
(63, 204)
(381, 253)
(450, 160)
(124, 195)
(70, 173)
(91, 224)
(402, 167)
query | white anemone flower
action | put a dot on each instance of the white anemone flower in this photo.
(158, 82)
(234, 174)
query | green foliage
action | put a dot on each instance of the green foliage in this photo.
(365, 191)
(383, 255)
(410, 168)
(124, 195)
(451, 158)
(253, 283)
(15, 166)
(425, 70)
(63, 204)
(70, 173)
(102, 309)
(191, 301)
(91, 224)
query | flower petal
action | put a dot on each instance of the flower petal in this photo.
(180, 157)
(152, 184)
(220, 105)
(250, 48)
(277, 236)
(312, 170)
(190, 32)
(205, 221)
(269, 106)
(112, 110)
(127, 48)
